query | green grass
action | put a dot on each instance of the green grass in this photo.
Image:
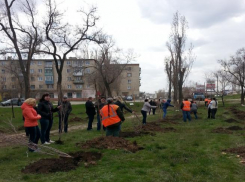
(192, 153)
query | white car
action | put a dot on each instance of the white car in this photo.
(14, 101)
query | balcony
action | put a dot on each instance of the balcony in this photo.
(77, 73)
(78, 82)
(49, 82)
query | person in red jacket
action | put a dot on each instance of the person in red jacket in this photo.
(31, 121)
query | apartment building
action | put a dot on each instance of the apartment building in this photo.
(76, 82)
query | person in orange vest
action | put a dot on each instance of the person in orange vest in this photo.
(186, 108)
(209, 108)
(112, 117)
(206, 101)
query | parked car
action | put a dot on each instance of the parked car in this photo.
(129, 98)
(14, 101)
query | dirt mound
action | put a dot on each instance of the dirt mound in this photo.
(75, 119)
(134, 134)
(167, 121)
(234, 128)
(111, 142)
(62, 164)
(239, 151)
(231, 120)
(153, 126)
(239, 114)
(221, 130)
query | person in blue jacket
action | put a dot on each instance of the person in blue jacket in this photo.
(165, 106)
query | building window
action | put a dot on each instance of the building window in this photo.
(48, 64)
(87, 62)
(13, 87)
(87, 86)
(51, 95)
(31, 70)
(32, 78)
(68, 70)
(13, 79)
(40, 70)
(69, 95)
(3, 63)
(40, 79)
(32, 87)
(3, 71)
(39, 62)
(68, 78)
(78, 78)
(32, 63)
(87, 70)
(79, 95)
(129, 75)
(129, 81)
(79, 86)
(68, 62)
(129, 87)
(4, 79)
(49, 78)
(49, 70)
(4, 87)
(40, 86)
(59, 63)
(69, 86)
(50, 86)
(129, 68)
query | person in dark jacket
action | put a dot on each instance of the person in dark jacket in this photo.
(90, 110)
(154, 103)
(150, 108)
(64, 113)
(46, 110)
(122, 106)
(165, 106)
(98, 107)
(194, 108)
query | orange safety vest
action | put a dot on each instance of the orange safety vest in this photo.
(113, 118)
(206, 100)
(209, 101)
(187, 106)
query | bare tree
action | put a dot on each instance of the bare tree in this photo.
(21, 39)
(235, 68)
(61, 38)
(110, 63)
(169, 71)
(181, 58)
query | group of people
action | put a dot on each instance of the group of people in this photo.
(186, 106)
(109, 114)
(44, 113)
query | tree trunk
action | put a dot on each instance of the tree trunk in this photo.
(242, 95)
(107, 86)
(222, 97)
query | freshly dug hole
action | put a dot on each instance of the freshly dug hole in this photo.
(134, 134)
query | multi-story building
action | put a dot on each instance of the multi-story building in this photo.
(76, 82)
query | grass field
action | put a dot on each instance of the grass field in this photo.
(192, 153)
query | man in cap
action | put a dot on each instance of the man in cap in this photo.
(64, 112)
(90, 110)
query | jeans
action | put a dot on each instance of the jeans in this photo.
(34, 135)
(153, 111)
(186, 114)
(213, 112)
(65, 123)
(90, 121)
(113, 130)
(195, 114)
(144, 114)
(209, 112)
(164, 112)
(48, 130)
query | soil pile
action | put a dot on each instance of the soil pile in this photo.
(75, 119)
(234, 128)
(221, 130)
(111, 142)
(153, 126)
(167, 121)
(62, 164)
(134, 134)
(239, 151)
(231, 120)
(239, 114)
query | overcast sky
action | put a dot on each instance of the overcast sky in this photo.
(216, 29)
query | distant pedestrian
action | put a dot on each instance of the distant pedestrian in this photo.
(112, 117)
(186, 108)
(98, 106)
(64, 113)
(194, 108)
(209, 108)
(150, 108)
(165, 105)
(213, 107)
(31, 122)
(145, 109)
(46, 110)
(90, 110)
